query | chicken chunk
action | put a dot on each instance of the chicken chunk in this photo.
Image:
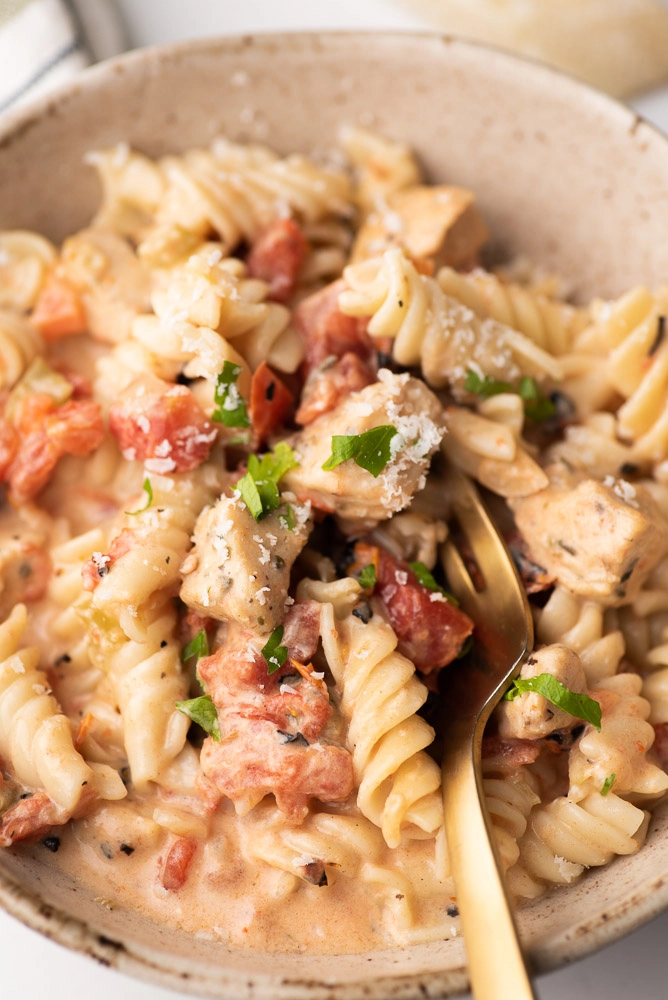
(397, 400)
(531, 716)
(239, 568)
(600, 540)
(439, 223)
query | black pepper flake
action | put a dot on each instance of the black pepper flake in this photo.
(51, 843)
(163, 644)
(363, 612)
(102, 570)
(163, 675)
(107, 850)
(167, 560)
(452, 910)
(65, 658)
(270, 390)
(401, 304)
(297, 738)
(567, 548)
(627, 575)
(126, 849)
(628, 469)
(660, 334)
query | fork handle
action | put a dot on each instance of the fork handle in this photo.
(497, 967)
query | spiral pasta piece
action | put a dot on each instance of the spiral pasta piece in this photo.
(35, 737)
(580, 625)
(25, 258)
(383, 166)
(235, 191)
(550, 323)
(510, 798)
(398, 783)
(565, 837)
(433, 330)
(617, 753)
(20, 343)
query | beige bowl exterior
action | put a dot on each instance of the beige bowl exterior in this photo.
(563, 175)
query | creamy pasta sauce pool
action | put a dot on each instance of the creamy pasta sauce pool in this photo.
(227, 411)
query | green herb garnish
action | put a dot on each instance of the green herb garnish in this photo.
(199, 647)
(581, 706)
(148, 490)
(486, 386)
(536, 406)
(259, 487)
(467, 646)
(370, 450)
(425, 579)
(273, 652)
(202, 711)
(232, 411)
(367, 577)
(608, 783)
(287, 517)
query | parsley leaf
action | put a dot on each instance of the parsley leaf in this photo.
(273, 652)
(259, 487)
(608, 783)
(579, 705)
(536, 406)
(370, 450)
(202, 711)
(367, 577)
(485, 387)
(287, 517)
(231, 405)
(148, 490)
(199, 647)
(425, 579)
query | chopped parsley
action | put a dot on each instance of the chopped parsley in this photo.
(485, 387)
(287, 517)
(367, 577)
(537, 407)
(581, 706)
(202, 711)
(608, 783)
(273, 652)
(148, 490)
(259, 487)
(231, 406)
(425, 579)
(371, 450)
(199, 647)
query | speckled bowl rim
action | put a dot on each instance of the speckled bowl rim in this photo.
(146, 963)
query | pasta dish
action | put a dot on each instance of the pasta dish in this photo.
(228, 406)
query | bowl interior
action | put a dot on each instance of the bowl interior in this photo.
(563, 175)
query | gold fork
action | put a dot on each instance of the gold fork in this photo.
(491, 594)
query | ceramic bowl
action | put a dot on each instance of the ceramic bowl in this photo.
(563, 175)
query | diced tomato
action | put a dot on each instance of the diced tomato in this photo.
(47, 433)
(276, 257)
(254, 756)
(99, 564)
(325, 387)
(301, 630)
(431, 630)
(59, 311)
(328, 333)
(161, 425)
(175, 871)
(30, 818)
(270, 403)
(9, 443)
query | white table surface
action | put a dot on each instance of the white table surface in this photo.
(32, 966)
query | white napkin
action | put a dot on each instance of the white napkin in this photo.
(43, 42)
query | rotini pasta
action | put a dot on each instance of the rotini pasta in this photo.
(230, 410)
